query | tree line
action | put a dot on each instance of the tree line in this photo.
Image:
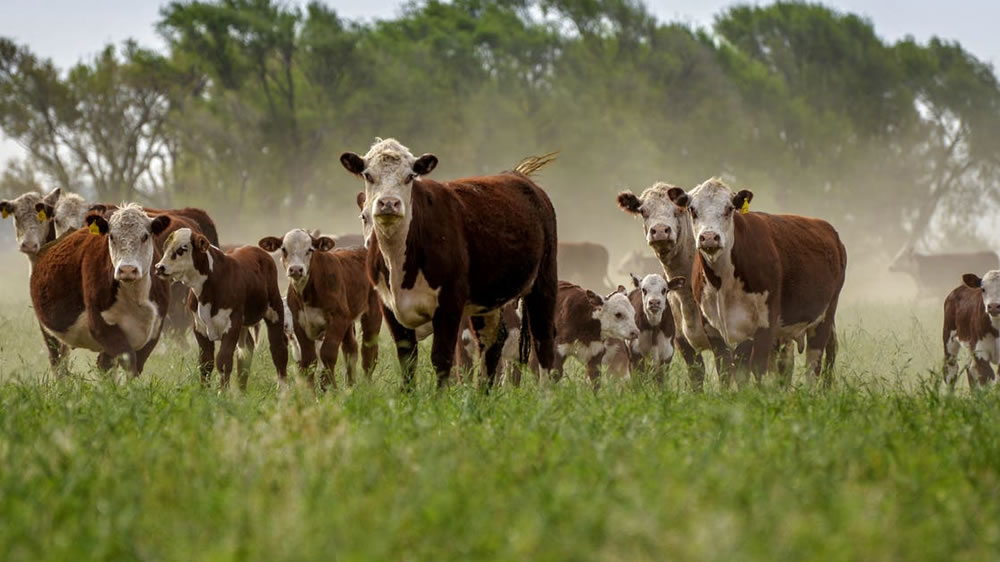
(254, 100)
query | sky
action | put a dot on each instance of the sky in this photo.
(70, 30)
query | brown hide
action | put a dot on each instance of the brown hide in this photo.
(965, 315)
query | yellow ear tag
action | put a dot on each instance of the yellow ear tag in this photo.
(4, 213)
(42, 216)
(94, 229)
(746, 207)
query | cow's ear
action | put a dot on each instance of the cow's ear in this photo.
(270, 243)
(6, 209)
(324, 243)
(742, 200)
(200, 243)
(679, 197)
(595, 299)
(160, 223)
(972, 280)
(425, 164)
(45, 211)
(99, 208)
(629, 202)
(53, 196)
(353, 163)
(360, 197)
(676, 283)
(635, 280)
(97, 224)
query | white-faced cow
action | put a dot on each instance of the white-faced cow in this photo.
(470, 245)
(934, 274)
(667, 229)
(972, 320)
(763, 280)
(95, 290)
(67, 211)
(231, 292)
(654, 348)
(328, 291)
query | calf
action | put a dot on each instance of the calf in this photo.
(231, 292)
(328, 291)
(934, 273)
(654, 348)
(972, 320)
(93, 289)
(762, 279)
(438, 250)
(585, 322)
(584, 263)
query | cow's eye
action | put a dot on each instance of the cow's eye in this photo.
(644, 291)
(619, 315)
(145, 237)
(729, 211)
(111, 237)
(369, 178)
(310, 250)
(694, 214)
(409, 177)
(284, 252)
(663, 291)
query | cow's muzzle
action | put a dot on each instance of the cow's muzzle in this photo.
(127, 273)
(161, 271)
(993, 309)
(388, 208)
(296, 271)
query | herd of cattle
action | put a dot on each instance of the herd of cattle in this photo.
(477, 263)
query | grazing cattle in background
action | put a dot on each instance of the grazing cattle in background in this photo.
(585, 264)
(639, 263)
(440, 250)
(654, 348)
(934, 274)
(972, 319)
(349, 241)
(231, 292)
(763, 279)
(328, 291)
(96, 291)
(585, 322)
(667, 228)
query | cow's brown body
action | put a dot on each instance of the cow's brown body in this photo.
(586, 264)
(966, 323)
(337, 292)
(577, 329)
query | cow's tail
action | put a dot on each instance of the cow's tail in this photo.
(524, 342)
(532, 164)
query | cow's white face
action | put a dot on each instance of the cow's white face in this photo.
(990, 287)
(712, 206)
(617, 317)
(178, 262)
(297, 249)
(654, 297)
(130, 243)
(31, 229)
(663, 222)
(389, 169)
(69, 213)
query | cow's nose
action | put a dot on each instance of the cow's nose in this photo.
(161, 269)
(633, 334)
(709, 241)
(993, 308)
(29, 247)
(128, 272)
(389, 206)
(654, 303)
(659, 232)
(295, 271)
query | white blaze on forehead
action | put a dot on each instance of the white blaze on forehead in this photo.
(617, 317)
(711, 206)
(657, 209)
(127, 229)
(654, 289)
(70, 211)
(28, 228)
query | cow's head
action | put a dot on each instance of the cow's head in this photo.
(67, 214)
(663, 222)
(616, 315)
(989, 285)
(185, 256)
(905, 260)
(297, 249)
(712, 206)
(31, 221)
(366, 219)
(654, 290)
(130, 239)
(389, 170)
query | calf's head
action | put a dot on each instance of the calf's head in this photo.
(616, 315)
(67, 214)
(712, 206)
(989, 285)
(185, 256)
(664, 223)
(389, 170)
(32, 219)
(366, 219)
(297, 249)
(654, 290)
(130, 240)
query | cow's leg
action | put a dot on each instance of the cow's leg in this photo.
(724, 361)
(760, 353)
(540, 309)
(406, 348)
(784, 355)
(336, 332)
(952, 346)
(244, 356)
(818, 342)
(278, 343)
(594, 370)
(984, 372)
(492, 335)
(227, 348)
(57, 351)
(350, 347)
(112, 339)
(307, 355)
(741, 363)
(143, 354)
(447, 322)
(695, 364)
(206, 357)
(371, 324)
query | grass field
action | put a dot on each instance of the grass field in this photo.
(883, 467)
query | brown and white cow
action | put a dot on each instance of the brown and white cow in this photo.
(68, 212)
(584, 263)
(95, 290)
(585, 322)
(231, 292)
(439, 250)
(328, 291)
(762, 280)
(667, 229)
(972, 320)
(654, 348)
(200, 219)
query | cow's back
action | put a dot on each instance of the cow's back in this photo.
(574, 316)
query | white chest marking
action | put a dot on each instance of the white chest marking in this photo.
(412, 307)
(134, 313)
(654, 345)
(736, 313)
(78, 335)
(986, 349)
(584, 352)
(313, 322)
(212, 326)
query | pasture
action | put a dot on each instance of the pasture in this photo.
(886, 466)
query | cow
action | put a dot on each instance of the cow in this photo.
(94, 289)
(585, 322)
(972, 320)
(934, 274)
(438, 250)
(231, 292)
(328, 291)
(763, 279)
(654, 348)
(584, 263)
(67, 211)
(667, 229)
(348, 241)
(639, 263)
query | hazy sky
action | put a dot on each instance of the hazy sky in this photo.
(68, 30)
